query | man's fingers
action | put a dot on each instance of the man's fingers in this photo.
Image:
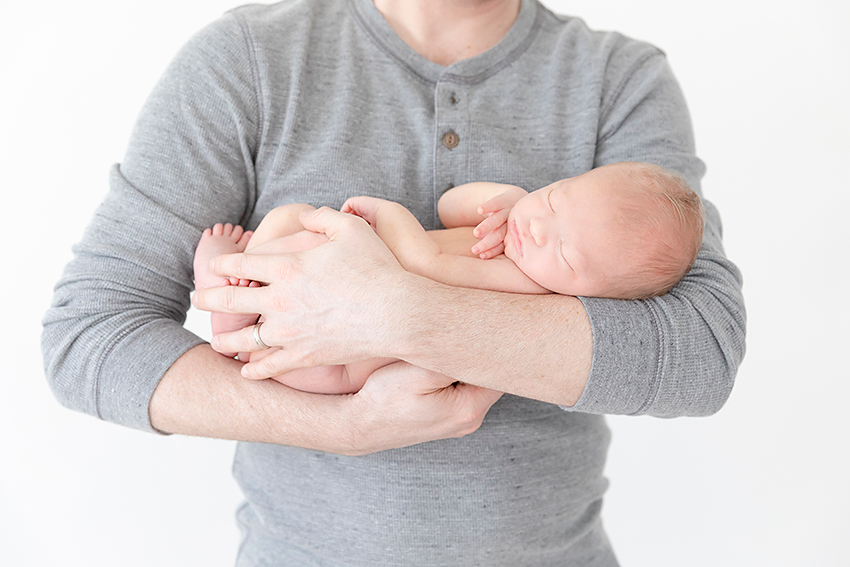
(238, 341)
(257, 267)
(230, 299)
(269, 262)
(476, 402)
(328, 221)
(484, 397)
(275, 363)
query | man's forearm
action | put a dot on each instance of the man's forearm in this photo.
(203, 394)
(538, 347)
(369, 306)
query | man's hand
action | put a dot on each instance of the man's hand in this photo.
(401, 405)
(337, 303)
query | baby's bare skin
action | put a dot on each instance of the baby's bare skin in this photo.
(280, 232)
(216, 241)
(563, 238)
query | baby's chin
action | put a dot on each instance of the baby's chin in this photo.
(563, 289)
(578, 287)
(510, 249)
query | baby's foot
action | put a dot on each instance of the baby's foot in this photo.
(218, 240)
(215, 241)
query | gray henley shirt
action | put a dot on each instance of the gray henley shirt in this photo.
(319, 100)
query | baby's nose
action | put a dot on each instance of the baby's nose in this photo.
(537, 229)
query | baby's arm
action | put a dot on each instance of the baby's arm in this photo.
(461, 205)
(486, 207)
(399, 230)
(419, 253)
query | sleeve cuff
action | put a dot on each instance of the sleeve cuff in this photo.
(127, 382)
(626, 364)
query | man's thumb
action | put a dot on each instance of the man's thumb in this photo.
(323, 219)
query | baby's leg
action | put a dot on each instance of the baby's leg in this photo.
(340, 379)
(282, 232)
(216, 241)
(227, 239)
(279, 222)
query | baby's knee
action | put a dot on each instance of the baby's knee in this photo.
(286, 214)
(280, 221)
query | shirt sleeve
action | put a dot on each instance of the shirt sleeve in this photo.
(678, 354)
(115, 323)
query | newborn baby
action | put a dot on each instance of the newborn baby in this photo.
(625, 231)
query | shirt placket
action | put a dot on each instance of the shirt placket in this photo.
(450, 136)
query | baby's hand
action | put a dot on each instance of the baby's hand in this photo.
(364, 207)
(492, 230)
(492, 244)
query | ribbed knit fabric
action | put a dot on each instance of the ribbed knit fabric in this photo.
(316, 101)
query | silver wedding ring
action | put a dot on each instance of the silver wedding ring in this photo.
(257, 338)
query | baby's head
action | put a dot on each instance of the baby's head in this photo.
(626, 230)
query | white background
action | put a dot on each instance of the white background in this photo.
(764, 482)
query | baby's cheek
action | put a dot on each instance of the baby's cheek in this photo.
(535, 270)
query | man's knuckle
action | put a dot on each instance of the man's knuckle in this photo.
(469, 421)
(282, 271)
(240, 264)
(265, 367)
(310, 359)
(350, 221)
(279, 303)
(229, 298)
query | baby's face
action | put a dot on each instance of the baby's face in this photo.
(560, 237)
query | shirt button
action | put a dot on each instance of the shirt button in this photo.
(451, 140)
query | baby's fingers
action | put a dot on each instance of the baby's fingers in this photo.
(492, 252)
(363, 207)
(496, 204)
(491, 240)
(490, 224)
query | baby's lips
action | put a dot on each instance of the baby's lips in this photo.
(516, 238)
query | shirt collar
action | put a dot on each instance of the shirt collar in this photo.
(469, 71)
